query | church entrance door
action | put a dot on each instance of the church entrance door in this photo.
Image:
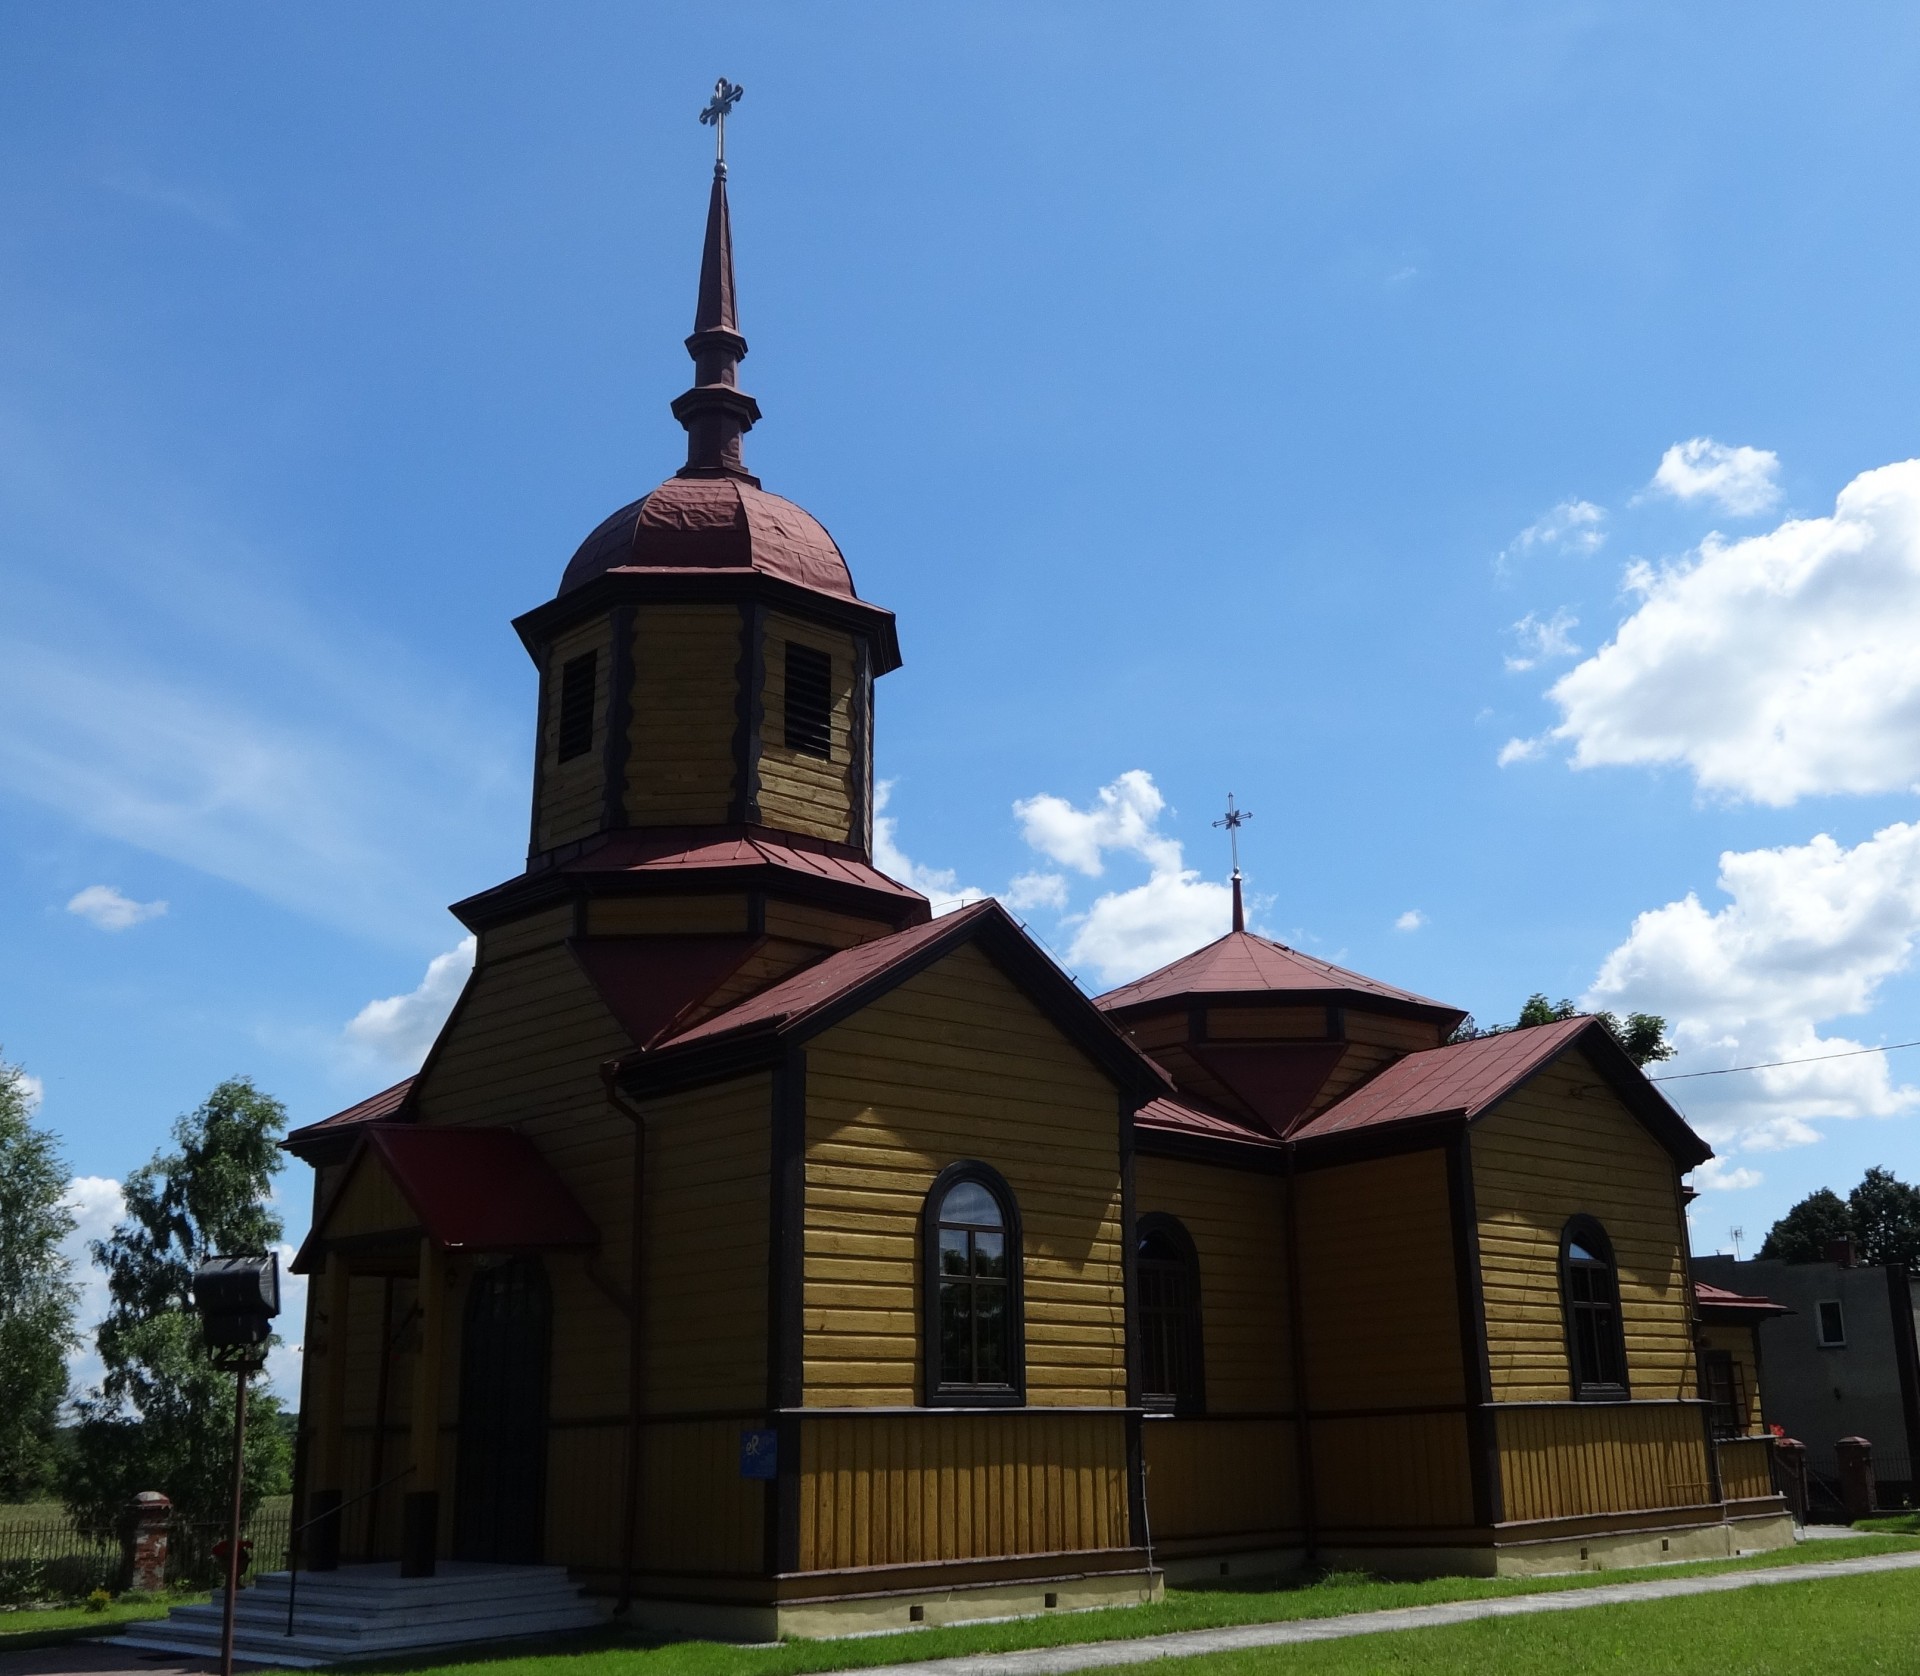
(501, 1470)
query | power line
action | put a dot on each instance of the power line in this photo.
(1775, 1064)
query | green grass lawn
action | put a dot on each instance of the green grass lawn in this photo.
(1849, 1626)
(31, 1626)
(612, 1653)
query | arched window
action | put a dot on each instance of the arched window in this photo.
(1167, 1290)
(1590, 1297)
(971, 1243)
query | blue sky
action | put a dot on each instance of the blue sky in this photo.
(1474, 435)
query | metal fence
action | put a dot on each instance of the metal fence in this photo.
(53, 1560)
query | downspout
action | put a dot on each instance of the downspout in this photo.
(636, 1338)
(1297, 1332)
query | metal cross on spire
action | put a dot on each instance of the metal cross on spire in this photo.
(1233, 820)
(726, 94)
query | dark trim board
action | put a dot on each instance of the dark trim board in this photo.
(617, 744)
(748, 720)
(1483, 1440)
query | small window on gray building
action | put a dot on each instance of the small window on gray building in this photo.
(1831, 1323)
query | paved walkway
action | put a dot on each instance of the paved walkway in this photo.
(91, 1658)
(1107, 1655)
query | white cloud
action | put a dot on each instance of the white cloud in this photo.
(1519, 750)
(1411, 920)
(105, 907)
(1574, 526)
(96, 1204)
(1541, 642)
(283, 1361)
(1740, 481)
(1808, 934)
(1036, 890)
(1776, 667)
(1716, 1175)
(32, 1089)
(939, 885)
(1126, 932)
(400, 1028)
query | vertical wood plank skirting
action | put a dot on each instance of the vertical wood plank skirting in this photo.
(1221, 1476)
(539, 754)
(1563, 1460)
(1746, 1467)
(860, 749)
(751, 691)
(1482, 1444)
(617, 745)
(786, 1294)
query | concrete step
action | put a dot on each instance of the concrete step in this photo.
(362, 1612)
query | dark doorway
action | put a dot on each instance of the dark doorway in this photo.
(500, 1506)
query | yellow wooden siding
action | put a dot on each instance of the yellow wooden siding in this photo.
(369, 1203)
(1237, 1223)
(804, 923)
(1402, 1035)
(1392, 1472)
(1379, 1297)
(798, 792)
(958, 1063)
(1746, 1468)
(1564, 1145)
(680, 767)
(667, 916)
(1583, 1458)
(572, 793)
(1738, 1342)
(523, 935)
(525, 1051)
(1359, 1061)
(1220, 1477)
(916, 1488)
(704, 1247)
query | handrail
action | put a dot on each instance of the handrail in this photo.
(293, 1546)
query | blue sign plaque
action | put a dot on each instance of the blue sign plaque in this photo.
(760, 1454)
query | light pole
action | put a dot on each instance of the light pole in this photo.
(237, 1298)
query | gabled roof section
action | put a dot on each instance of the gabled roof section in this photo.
(376, 1108)
(1243, 966)
(478, 1189)
(798, 1007)
(1464, 1079)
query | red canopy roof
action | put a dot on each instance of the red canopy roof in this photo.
(1241, 964)
(370, 1110)
(1717, 1301)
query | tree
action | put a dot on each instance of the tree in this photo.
(1806, 1232)
(37, 1294)
(1885, 1213)
(1643, 1035)
(163, 1416)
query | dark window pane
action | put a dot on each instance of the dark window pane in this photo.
(990, 1335)
(956, 1333)
(577, 679)
(809, 705)
(990, 1255)
(953, 1250)
(971, 1203)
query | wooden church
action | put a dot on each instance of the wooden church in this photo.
(783, 1259)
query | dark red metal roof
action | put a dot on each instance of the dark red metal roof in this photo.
(680, 851)
(650, 983)
(1717, 1301)
(1241, 964)
(373, 1109)
(714, 524)
(1186, 1116)
(1460, 1080)
(480, 1189)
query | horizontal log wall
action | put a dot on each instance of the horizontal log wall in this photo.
(798, 792)
(1561, 1461)
(572, 792)
(681, 739)
(908, 1489)
(1564, 1145)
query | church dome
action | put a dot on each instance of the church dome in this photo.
(714, 523)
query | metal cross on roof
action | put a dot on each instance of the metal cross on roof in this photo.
(1232, 821)
(726, 94)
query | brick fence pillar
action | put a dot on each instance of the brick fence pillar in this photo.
(1855, 1455)
(151, 1513)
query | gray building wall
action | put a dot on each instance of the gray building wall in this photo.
(1820, 1394)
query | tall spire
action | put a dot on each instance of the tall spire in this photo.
(716, 411)
(1232, 820)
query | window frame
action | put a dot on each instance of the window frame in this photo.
(1820, 1339)
(1730, 1415)
(568, 746)
(1585, 1231)
(935, 1392)
(1190, 1399)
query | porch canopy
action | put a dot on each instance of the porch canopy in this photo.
(464, 1190)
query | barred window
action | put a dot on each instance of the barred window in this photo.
(577, 682)
(809, 700)
(1590, 1296)
(1167, 1282)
